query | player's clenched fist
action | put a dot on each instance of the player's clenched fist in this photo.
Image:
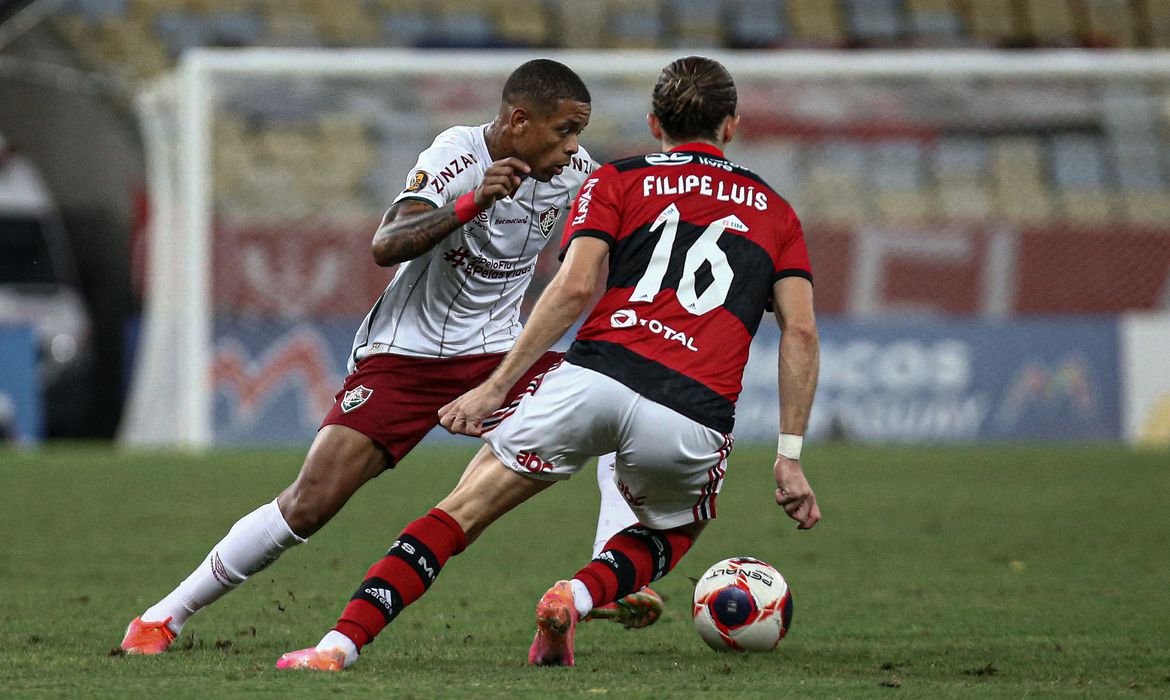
(500, 180)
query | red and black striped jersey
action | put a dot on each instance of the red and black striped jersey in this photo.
(696, 244)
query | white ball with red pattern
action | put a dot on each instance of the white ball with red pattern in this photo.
(742, 604)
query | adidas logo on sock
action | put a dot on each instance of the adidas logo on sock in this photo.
(382, 596)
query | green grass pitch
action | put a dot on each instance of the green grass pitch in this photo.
(936, 572)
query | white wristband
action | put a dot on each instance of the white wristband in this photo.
(789, 445)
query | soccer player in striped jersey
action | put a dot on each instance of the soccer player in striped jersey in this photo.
(697, 248)
(466, 230)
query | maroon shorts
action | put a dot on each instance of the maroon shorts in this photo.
(395, 399)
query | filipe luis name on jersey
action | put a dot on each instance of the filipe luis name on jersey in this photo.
(705, 185)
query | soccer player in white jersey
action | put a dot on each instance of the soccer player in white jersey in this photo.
(476, 211)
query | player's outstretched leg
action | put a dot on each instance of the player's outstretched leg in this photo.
(338, 463)
(556, 621)
(254, 541)
(401, 577)
(641, 608)
(630, 560)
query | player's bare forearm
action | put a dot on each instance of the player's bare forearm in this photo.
(562, 302)
(411, 228)
(799, 368)
(799, 362)
(558, 307)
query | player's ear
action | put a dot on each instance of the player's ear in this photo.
(727, 130)
(655, 125)
(518, 120)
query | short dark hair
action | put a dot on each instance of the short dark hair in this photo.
(543, 83)
(693, 97)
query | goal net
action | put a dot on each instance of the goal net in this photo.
(960, 184)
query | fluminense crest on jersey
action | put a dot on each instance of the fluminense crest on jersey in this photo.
(548, 219)
(355, 397)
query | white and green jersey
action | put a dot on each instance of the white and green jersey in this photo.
(462, 297)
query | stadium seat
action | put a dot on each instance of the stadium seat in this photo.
(633, 24)
(182, 30)
(1078, 161)
(578, 25)
(874, 22)
(405, 22)
(1150, 207)
(1051, 22)
(755, 23)
(993, 23)
(1110, 23)
(934, 23)
(461, 24)
(1158, 23)
(695, 23)
(837, 191)
(94, 11)
(1087, 205)
(522, 22)
(779, 163)
(897, 176)
(1017, 167)
(963, 199)
(959, 167)
(816, 22)
(346, 23)
(1080, 178)
(292, 24)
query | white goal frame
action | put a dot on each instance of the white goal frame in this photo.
(170, 401)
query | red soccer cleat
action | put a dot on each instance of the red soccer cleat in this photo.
(556, 621)
(147, 638)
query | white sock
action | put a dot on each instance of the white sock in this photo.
(337, 640)
(582, 600)
(615, 515)
(254, 542)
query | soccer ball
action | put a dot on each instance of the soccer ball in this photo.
(742, 604)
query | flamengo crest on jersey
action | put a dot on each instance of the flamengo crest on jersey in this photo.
(463, 296)
(696, 245)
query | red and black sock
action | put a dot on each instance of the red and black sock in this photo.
(630, 560)
(402, 576)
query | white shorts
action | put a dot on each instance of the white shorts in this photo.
(669, 468)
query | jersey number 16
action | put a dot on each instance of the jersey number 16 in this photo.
(705, 249)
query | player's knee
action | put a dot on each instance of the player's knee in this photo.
(308, 504)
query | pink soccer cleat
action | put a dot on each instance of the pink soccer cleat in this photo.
(556, 621)
(147, 638)
(312, 659)
(638, 609)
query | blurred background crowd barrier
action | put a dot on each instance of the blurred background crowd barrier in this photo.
(985, 188)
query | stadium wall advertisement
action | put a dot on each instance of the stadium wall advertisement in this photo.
(948, 381)
(21, 413)
(893, 381)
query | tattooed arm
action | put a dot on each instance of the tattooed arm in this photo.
(412, 227)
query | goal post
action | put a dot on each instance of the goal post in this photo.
(949, 184)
